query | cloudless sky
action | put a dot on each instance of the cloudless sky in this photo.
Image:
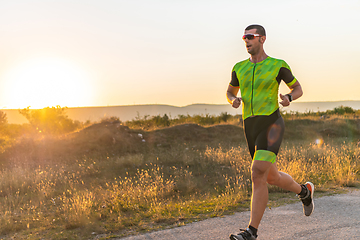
(121, 52)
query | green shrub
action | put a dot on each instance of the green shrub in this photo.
(50, 120)
(3, 118)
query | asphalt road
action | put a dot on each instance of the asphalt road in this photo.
(335, 217)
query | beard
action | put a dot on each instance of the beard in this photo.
(253, 50)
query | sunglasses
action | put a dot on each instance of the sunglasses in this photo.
(251, 36)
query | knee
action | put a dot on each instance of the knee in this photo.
(258, 176)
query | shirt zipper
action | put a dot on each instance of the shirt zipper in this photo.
(252, 90)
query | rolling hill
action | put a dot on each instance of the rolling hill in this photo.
(130, 112)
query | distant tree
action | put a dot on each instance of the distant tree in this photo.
(110, 120)
(343, 110)
(224, 116)
(161, 121)
(3, 118)
(50, 120)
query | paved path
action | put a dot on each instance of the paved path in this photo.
(335, 217)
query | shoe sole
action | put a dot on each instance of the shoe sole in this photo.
(312, 196)
(232, 237)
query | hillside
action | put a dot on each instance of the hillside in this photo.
(131, 112)
(108, 180)
(112, 137)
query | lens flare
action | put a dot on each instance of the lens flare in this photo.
(319, 142)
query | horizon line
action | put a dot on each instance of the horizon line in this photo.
(160, 104)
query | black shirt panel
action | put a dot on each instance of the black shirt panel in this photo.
(234, 80)
(285, 75)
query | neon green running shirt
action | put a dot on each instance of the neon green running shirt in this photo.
(259, 84)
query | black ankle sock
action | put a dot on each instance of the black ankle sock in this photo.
(304, 191)
(254, 230)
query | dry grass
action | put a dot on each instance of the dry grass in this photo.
(177, 175)
(322, 163)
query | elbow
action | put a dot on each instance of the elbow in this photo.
(227, 98)
(297, 92)
(300, 92)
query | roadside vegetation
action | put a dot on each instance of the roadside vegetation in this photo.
(62, 179)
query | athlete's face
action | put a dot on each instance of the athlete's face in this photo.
(253, 46)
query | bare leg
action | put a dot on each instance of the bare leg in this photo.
(282, 180)
(259, 198)
(263, 172)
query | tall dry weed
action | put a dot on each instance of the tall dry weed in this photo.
(155, 188)
(322, 163)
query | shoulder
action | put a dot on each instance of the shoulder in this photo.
(240, 64)
(278, 62)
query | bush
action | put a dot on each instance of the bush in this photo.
(224, 116)
(161, 121)
(343, 110)
(3, 118)
(50, 120)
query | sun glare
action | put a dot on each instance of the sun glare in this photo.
(46, 82)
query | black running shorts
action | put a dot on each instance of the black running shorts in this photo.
(264, 135)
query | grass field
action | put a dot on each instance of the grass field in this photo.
(112, 179)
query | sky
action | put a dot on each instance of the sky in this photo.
(79, 53)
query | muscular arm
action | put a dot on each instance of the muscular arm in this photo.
(231, 95)
(295, 91)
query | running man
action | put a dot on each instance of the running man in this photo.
(258, 80)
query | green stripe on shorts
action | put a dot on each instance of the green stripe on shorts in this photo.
(265, 155)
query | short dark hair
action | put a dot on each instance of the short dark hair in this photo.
(259, 29)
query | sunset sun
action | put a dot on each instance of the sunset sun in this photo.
(43, 82)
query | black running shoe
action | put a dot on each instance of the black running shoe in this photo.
(308, 200)
(244, 235)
